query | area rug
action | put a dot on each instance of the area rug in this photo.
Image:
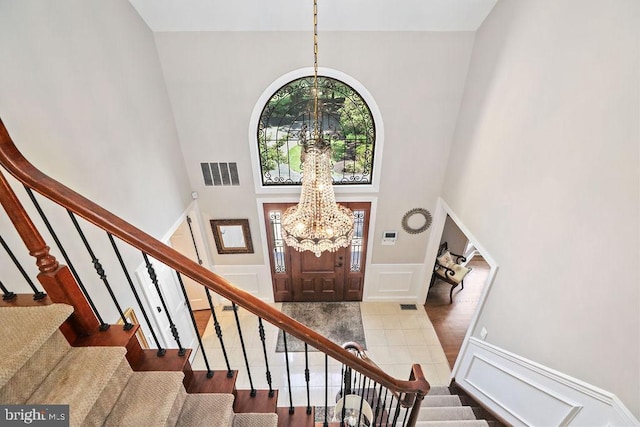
(338, 321)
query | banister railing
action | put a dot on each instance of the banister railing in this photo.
(20, 168)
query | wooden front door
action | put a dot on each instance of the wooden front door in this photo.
(303, 277)
(317, 278)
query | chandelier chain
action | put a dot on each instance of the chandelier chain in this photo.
(315, 72)
(317, 223)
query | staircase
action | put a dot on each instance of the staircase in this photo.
(98, 384)
(58, 348)
(450, 407)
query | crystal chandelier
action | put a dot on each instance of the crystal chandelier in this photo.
(317, 223)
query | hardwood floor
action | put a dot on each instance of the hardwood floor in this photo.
(451, 321)
(202, 319)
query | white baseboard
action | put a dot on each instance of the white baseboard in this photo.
(525, 393)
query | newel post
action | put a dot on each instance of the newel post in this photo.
(56, 279)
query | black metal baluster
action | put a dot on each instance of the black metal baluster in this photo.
(397, 411)
(307, 376)
(172, 326)
(343, 413)
(384, 407)
(218, 329)
(7, 295)
(193, 239)
(377, 412)
(195, 326)
(286, 361)
(101, 274)
(362, 402)
(343, 392)
(244, 350)
(406, 414)
(135, 294)
(37, 295)
(326, 390)
(264, 350)
(66, 257)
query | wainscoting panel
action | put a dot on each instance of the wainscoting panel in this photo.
(255, 279)
(525, 393)
(392, 282)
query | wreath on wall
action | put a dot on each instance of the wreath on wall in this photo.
(414, 213)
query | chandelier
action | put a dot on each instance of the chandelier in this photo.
(317, 223)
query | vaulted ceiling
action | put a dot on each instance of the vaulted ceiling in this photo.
(296, 15)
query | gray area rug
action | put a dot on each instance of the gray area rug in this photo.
(338, 321)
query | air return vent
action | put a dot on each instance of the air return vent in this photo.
(215, 174)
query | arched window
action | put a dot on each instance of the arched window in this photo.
(345, 120)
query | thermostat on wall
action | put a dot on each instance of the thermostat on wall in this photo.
(389, 237)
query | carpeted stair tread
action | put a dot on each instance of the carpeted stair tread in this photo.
(255, 420)
(454, 423)
(204, 406)
(441, 400)
(79, 379)
(439, 390)
(25, 329)
(449, 413)
(29, 377)
(147, 400)
(110, 394)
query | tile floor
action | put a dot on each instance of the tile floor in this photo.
(395, 340)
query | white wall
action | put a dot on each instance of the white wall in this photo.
(214, 80)
(455, 238)
(82, 95)
(544, 171)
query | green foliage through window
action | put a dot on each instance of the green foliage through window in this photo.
(345, 121)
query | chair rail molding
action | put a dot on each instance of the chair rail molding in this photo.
(523, 392)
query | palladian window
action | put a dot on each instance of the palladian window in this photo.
(345, 120)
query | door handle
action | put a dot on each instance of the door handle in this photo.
(338, 265)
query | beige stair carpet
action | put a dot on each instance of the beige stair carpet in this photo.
(109, 396)
(79, 379)
(25, 330)
(443, 414)
(29, 377)
(215, 407)
(438, 390)
(255, 420)
(458, 423)
(147, 400)
(444, 400)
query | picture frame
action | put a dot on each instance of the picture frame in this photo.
(232, 236)
(131, 317)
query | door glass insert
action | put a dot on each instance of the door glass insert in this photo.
(356, 243)
(278, 242)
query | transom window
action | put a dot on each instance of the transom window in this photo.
(345, 120)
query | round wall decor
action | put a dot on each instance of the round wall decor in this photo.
(413, 216)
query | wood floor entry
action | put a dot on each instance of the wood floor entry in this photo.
(331, 277)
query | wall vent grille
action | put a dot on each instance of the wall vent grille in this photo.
(220, 174)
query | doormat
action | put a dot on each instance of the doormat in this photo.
(340, 322)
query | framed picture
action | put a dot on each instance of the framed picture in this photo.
(131, 317)
(232, 236)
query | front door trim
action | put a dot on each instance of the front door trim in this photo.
(283, 280)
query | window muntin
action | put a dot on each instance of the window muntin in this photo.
(345, 119)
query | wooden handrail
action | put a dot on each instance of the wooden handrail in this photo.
(29, 175)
